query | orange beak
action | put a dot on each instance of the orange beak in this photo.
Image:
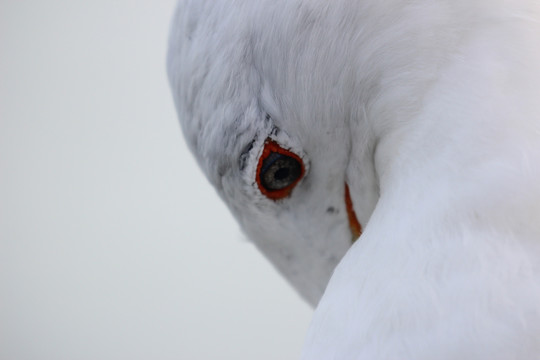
(356, 228)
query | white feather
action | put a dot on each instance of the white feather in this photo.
(430, 111)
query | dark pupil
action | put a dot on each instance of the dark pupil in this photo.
(281, 174)
(279, 171)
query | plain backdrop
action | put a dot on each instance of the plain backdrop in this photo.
(112, 243)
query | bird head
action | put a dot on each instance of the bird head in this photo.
(269, 107)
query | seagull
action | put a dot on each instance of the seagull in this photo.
(384, 155)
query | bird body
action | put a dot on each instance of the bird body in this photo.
(429, 112)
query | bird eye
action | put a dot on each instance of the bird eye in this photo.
(278, 171)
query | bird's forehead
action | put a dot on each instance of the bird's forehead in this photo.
(224, 63)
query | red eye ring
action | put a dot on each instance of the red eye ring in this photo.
(271, 148)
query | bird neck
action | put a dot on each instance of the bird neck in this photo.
(476, 126)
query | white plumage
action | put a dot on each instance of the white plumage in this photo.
(430, 112)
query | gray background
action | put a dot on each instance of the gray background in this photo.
(112, 243)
